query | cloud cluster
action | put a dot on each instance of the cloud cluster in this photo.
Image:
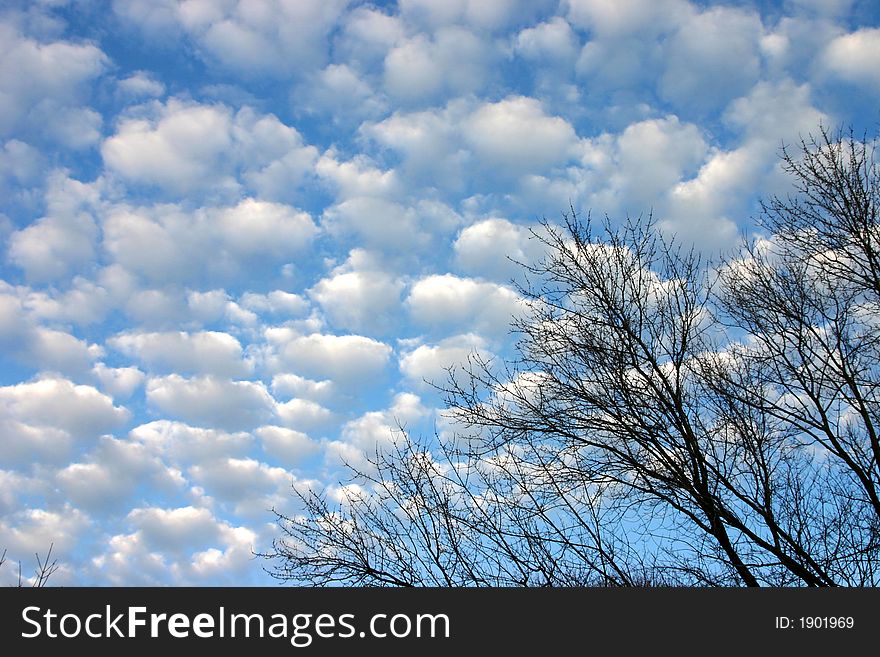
(241, 239)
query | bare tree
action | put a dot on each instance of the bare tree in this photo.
(665, 421)
(45, 568)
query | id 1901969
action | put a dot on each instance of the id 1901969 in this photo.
(815, 623)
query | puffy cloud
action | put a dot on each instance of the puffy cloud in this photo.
(187, 544)
(304, 413)
(852, 56)
(516, 135)
(287, 445)
(712, 58)
(494, 247)
(141, 84)
(20, 162)
(367, 33)
(260, 228)
(238, 481)
(181, 146)
(340, 93)
(31, 531)
(205, 352)
(298, 386)
(357, 177)
(358, 295)
(26, 444)
(118, 381)
(84, 303)
(653, 155)
(175, 529)
(57, 403)
(553, 40)
(375, 222)
(63, 241)
(421, 69)
(483, 14)
(107, 478)
(274, 37)
(165, 243)
(40, 347)
(495, 141)
(447, 300)
(346, 360)
(361, 437)
(773, 112)
(276, 302)
(220, 403)
(429, 364)
(181, 443)
(179, 149)
(42, 82)
(618, 18)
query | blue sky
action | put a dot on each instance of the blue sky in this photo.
(237, 236)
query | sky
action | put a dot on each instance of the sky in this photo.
(239, 238)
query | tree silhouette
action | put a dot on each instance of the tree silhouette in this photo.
(666, 421)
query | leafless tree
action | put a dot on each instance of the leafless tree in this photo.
(45, 568)
(665, 421)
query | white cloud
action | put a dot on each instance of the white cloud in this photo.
(450, 301)
(180, 146)
(375, 222)
(31, 531)
(517, 136)
(288, 446)
(853, 57)
(653, 155)
(494, 247)
(111, 473)
(368, 33)
(118, 381)
(340, 94)
(482, 14)
(79, 410)
(220, 403)
(277, 302)
(274, 37)
(167, 244)
(421, 69)
(357, 177)
(261, 228)
(359, 296)
(553, 40)
(361, 437)
(41, 347)
(187, 544)
(712, 58)
(141, 84)
(175, 529)
(84, 303)
(239, 480)
(344, 359)
(429, 364)
(297, 386)
(206, 352)
(40, 81)
(304, 413)
(181, 443)
(62, 242)
(26, 444)
(618, 18)
(179, 149)
(492, 140)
